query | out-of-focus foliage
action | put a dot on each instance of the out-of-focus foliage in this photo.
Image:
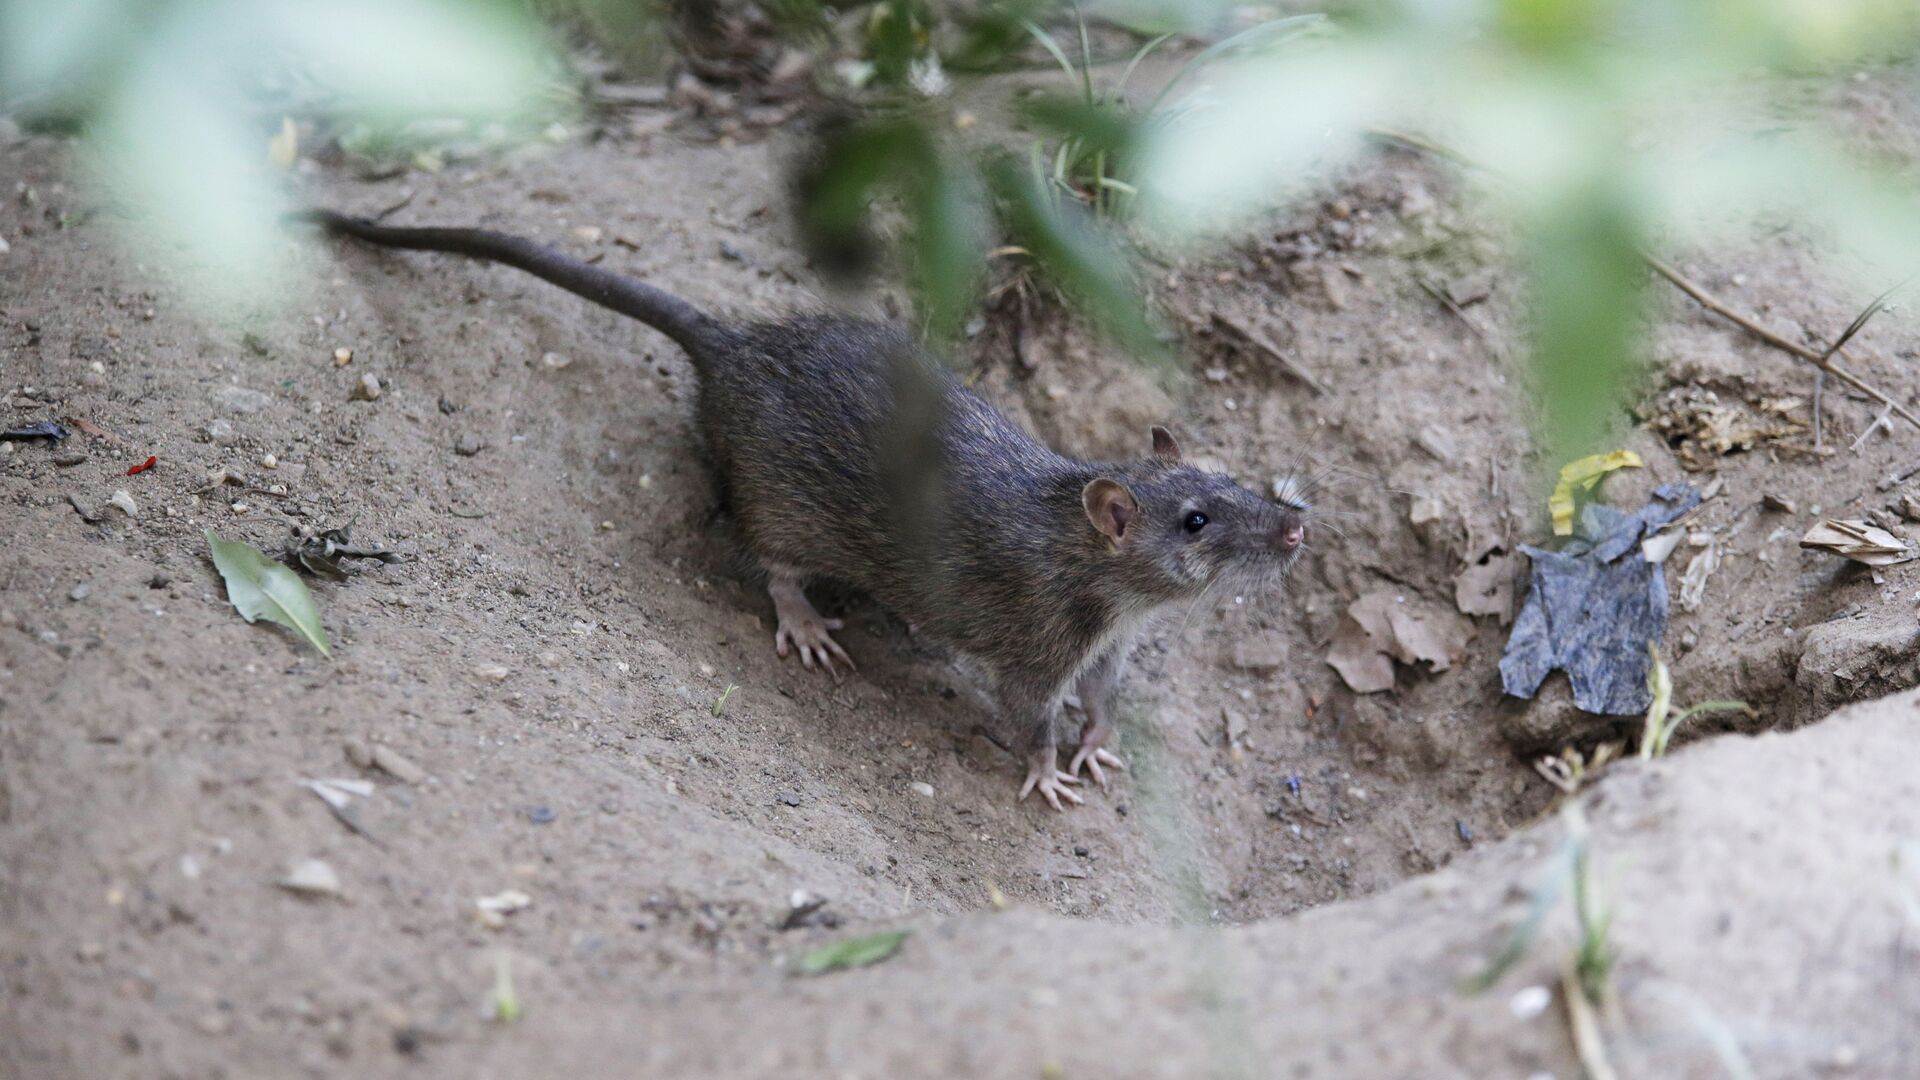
(173, 98)
(1605, 124)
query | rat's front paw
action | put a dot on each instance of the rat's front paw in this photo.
(809, 634)
(1050, 782)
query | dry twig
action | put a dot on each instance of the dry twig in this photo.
(1447, 301)
(1251, 339)
(1824, 361)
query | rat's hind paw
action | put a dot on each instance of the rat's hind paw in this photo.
(1051, 783)
(1093, 757)
(801, 627)
(809, 635)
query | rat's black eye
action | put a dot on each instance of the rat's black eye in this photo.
(1196, 521)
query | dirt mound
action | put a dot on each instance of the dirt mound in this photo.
(1712, 862)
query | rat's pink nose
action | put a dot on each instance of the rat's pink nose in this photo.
(1290, 537)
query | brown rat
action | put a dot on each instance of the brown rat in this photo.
(846, 452)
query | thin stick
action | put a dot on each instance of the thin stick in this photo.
(1819, 386)
(1711, 303)
(1878, 423)
(1250, 339)
(1447, 302)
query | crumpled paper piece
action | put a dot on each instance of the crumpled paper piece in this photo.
(1381, 627)
(1584, 474)
(1593, 606)
(1857, 540)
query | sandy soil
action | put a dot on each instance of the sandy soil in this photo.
(153, 747)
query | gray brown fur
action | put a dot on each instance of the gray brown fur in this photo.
(844, 451)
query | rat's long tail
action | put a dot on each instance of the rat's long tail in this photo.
(696, 331)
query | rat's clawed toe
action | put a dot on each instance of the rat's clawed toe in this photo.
(1093, 757)
(1044, 776)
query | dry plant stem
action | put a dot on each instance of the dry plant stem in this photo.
(1447, 302)
(1250, 339)
(1824, 362)
(1878, 423)
(1819, 387)
(1584, 1021)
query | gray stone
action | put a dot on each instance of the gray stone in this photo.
(240, 400)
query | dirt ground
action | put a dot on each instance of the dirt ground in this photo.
(1288, 884)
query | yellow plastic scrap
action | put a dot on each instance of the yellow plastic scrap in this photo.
(1584, 474)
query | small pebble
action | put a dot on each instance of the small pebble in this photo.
(395, 764)
(496, 673)
(342, 357)
(504, 903)
(791, 798)
(69, 457)
(268, 461)
(126, 504)
(311, 877)
(366, 389)
(540, 815)
(554, 361)
(80, 592)
(240, 399)
(469, 444)
(221, 432)
(923, 788)
(1529, 1002)
(358, 754)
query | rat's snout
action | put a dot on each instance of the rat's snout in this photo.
(1290, 535)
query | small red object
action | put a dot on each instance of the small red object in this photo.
(145, 465)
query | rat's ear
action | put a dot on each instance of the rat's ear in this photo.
(1164, 445)
(1110, 506)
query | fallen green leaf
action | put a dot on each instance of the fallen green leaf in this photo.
(262, 588)
(850, 953)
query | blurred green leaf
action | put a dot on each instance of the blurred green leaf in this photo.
(58, 48)
(950, 233)
(851, 165)
(191, 179)
(991, 34)
(898, 33)
(169, 96)
(1096, 127)
(413, 58)
(1069, 249)
(1587, 273)
(851, 952)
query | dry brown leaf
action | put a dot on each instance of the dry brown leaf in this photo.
(1382, 627)
(1855, 539)
(1361, 664)
(1485, 586)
